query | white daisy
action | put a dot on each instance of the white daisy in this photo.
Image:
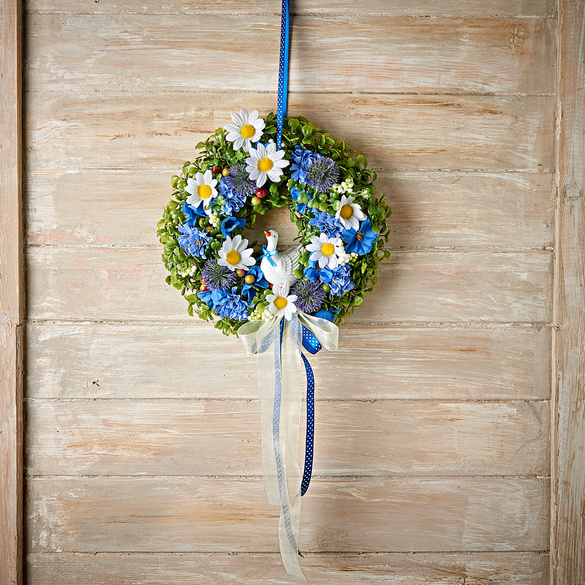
(202, 189)
(281, 303)
(325, 251)
(247, 128)
(265, 162)
(235, 254)
(350, 214)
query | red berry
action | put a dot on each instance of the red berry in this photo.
(203, 288)
(240, 272)
(256, 200)
(261, 193)
(216, 170)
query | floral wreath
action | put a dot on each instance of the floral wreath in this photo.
(238, 174)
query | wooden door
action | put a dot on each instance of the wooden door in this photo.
(434, 431)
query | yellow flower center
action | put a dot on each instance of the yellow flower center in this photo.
(232, 257)
(346, 211)
(265, 164)
(327, 249)
(204, 191)
(280, 303)
(247, 131)
(359, 236)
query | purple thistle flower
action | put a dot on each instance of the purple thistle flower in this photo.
(239, 181)
(322, 173)
(218, 277)
(310, 295)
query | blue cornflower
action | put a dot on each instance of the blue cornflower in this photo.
(322, 173)
(302, 159)
(192, 213)
(193, 241)
(341, 280)
(229, 224)
(360, 241)
(328, 224)
(239, 181)
(232, 306)
(249, 291)
(233, 199)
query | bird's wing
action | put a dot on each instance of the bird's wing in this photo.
(290, 260)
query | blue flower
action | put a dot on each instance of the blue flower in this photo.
(229, 224)
(249, 291)
(193, 241)
(311, 273)
(341, 280)
(233, 199)
(323, 314)
(239, 181)
(322, 173)
(328, 224)
(301, 207)
(212, 298)
(232, 306)
(360, 241)
(192, 213)
(302, 160)
(217, 277)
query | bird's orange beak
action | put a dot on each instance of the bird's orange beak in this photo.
(267, 234)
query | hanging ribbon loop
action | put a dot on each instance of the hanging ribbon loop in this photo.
(283, 70)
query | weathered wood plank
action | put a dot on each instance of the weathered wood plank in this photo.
(120, 437)
(230, 515)
(149, 52)
(458, 210)
(100, 360)
(129, 131)
(127, 283)
(12, 301)
(568, 559)
(527, 568)
(328, 7)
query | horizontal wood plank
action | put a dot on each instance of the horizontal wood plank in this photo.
(100, 360)
(258, 569)
(230, 515)
(152, 52)
(159, 131)
(116, 437)
(327, 7)
(127, 283)
(511, 211)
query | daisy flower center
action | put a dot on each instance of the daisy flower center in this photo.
(346, 211)
(327, 249)
(265, 164)
(280, 303)
(247, 131)
(232, 257)
(204, 191)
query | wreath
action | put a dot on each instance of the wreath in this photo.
(239, 174)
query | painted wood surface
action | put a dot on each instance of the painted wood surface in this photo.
(524, 568)
(150, 52)
(434, 210)
(568, 560)
(154, 131)
(133, 514)
(120, 437)
(328, 7)
(11, 296)
(156, 360)
(128, 283)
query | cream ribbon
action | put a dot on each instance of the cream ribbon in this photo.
(280, 386)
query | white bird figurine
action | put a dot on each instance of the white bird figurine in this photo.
(279, 268)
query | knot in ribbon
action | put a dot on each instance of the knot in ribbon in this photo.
(266, 253)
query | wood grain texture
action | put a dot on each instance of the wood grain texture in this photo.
(511, 211)
(159, 131)
(568, 559)
(120, 437)
(135, 514)
(326, 7)
(127, 283)
(525, 568)
(152, 52)
(101, 360)
(11, 296)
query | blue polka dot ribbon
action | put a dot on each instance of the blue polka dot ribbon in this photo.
(283, 70)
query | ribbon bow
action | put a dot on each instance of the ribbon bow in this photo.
(267, 254)
(280, 388)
